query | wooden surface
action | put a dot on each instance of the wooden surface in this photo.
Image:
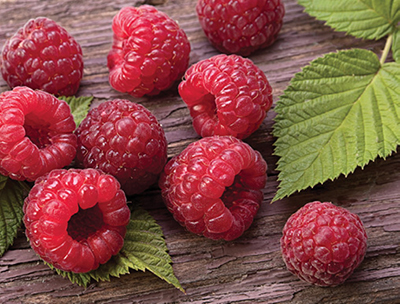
(250, 269)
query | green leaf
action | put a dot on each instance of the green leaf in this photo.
(12, 195)
(3, 181)
(144, 249)
(368, 19)
(339, 113)
(396, 46)
(79, 106)
(118, 265)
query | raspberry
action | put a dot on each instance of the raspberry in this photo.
(240, 27)
(125, 140)
(323, 244)
(149, 52)
(226, 95)
(76, 219)
(36, 133)
(43, 55)
(213, 188)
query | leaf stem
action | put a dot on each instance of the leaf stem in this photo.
(386, 50)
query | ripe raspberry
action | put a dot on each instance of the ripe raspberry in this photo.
(213, 188)
(76, 219)
(323, 244)
(149, 52)
(226, 95)
(123, 139)
(36, 133)
(240, 27)
(43, 55)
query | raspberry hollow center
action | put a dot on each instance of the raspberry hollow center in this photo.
(232, 193)
(209, 106)
(85, 223)
(37, 131)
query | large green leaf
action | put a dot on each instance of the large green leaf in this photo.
(12, 195)
(369, 19)
(144, 249)
(339, 113)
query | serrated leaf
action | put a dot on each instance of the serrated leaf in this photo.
(144, 249)
(79, 106)
(368, 19)
(118, 265)
(396, 46)
(339, 113)
(12, 195)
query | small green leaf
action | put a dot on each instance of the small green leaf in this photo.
(82, 279)
(118, 265)
(79, 106)
(144, 249)
(12, 195)
(3, 181)
(368, 19)
(339, 113)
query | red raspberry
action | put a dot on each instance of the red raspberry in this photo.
(76, 219)
(226, 95)
(149, 52)
(123, 139)
(43, 55)
(214, 186)
(323, 244)
(36, 133)
(240, 27)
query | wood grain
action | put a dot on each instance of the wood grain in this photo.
(250, 269)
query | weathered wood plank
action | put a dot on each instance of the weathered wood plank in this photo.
(250, 269)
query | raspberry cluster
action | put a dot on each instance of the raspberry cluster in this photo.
(322, 243)
(213, 187)
(149, 51)
(124, 139)
(76, 219)
(43, 55)
(226, 95)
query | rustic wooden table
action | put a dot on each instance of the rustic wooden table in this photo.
(250, 269)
